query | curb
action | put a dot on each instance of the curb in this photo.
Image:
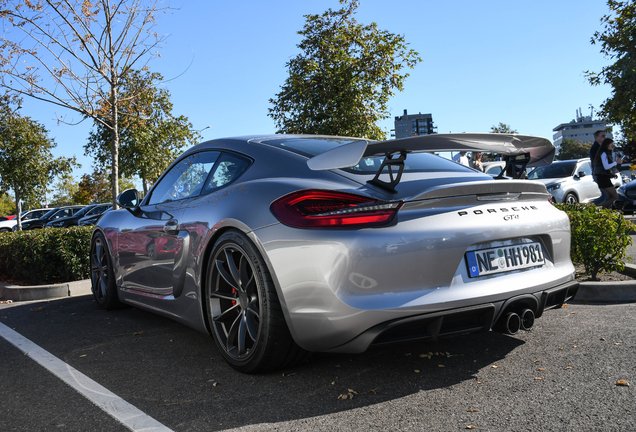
(619, 291)
(43, 292)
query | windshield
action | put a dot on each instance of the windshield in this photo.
(48, 214)
(556, 170)
(83, 211)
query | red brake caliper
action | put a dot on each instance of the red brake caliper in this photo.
(233, 301)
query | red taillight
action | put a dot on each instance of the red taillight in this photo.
(327, 209)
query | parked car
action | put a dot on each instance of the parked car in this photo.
(89, 210)
(494, 168)
(570, 181)
(11, 224)
(627, 175)
(56, 213)
(92, 218)
(285, 244)
(626, 201)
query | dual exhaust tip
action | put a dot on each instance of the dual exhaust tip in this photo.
(511, 322)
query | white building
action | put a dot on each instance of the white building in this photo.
(582, 129)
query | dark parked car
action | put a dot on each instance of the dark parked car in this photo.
(93, 217)
(626, 201)
(89, 210)
(281, 245)
(56, 213)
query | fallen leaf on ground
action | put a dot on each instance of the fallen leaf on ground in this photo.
(622, 383)
(472, 410)
(537, 361)
(538, 378)
(569, 367)
(347, 395)
(83, 355)
(138, 333)
(6, 301)
(602, 339)
(495, 366)
(417, 371)
(541, 369)
(440, 365)
(37, 309)
(471, 427)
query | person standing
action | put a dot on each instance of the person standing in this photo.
(603, 163)
(461, 158)
(599, 136)
(476, 162)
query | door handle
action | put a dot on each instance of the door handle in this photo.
(171, 227)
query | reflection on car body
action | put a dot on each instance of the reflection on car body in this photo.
(282, 245)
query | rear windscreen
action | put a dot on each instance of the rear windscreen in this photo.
(415, 162)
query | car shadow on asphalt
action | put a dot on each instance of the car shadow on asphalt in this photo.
(176, 374)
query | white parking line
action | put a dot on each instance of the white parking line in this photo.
(109, 402)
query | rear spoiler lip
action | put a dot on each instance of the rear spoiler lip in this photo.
(541, 150)
(480, 188)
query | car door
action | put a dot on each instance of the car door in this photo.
(587, 187)
(151, 242)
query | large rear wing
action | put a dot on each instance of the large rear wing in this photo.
(522, 150)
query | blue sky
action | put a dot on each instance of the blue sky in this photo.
(520, 63)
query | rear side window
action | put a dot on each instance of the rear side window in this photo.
(228, 168)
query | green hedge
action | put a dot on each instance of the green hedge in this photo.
(600, 237)
(49, 255)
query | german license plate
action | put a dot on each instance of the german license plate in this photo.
(504, 259)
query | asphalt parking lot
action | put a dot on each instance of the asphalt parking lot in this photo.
(562, 375)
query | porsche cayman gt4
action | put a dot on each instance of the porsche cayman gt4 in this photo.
(283, 245)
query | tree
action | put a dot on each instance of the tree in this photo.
(341, 82)
(570, 149)
(94, 188)
(150, 136)
(64, 191)
(7, 204)
(502, 128)
(26, 163)
(617, 43)
(84, 49)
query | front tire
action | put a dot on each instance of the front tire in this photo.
(570, 199)
(244, 313)
(102, 274)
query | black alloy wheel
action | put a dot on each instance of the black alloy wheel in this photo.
(243, 310)
(102, 275)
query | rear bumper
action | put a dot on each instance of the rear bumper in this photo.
(479, 318)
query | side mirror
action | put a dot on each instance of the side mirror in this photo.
(581, 174)
(128, 199)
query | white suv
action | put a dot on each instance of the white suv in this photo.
(570, 181)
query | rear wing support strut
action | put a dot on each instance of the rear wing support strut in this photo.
(515, 166)
(391, 161)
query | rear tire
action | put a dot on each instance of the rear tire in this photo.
(102, 274)
(243, 310)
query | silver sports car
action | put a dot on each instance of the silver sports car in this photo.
(282, 245)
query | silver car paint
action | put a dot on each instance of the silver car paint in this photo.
(335, 284)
